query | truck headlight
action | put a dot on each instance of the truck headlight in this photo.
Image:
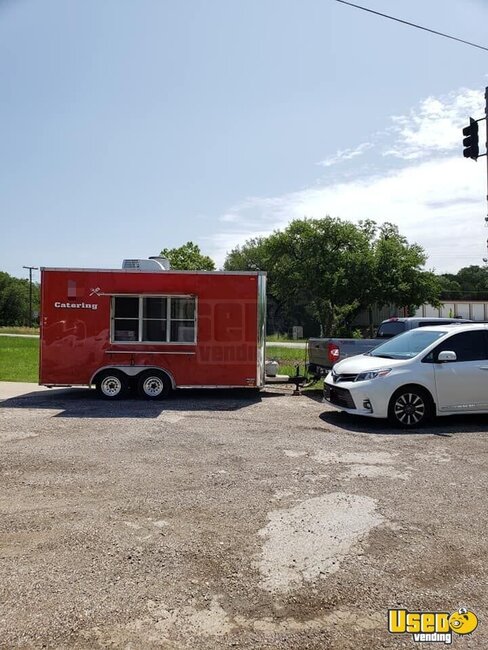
(372, 374)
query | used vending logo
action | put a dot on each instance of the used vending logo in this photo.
(432, 626)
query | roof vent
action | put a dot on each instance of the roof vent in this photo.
(151, 264)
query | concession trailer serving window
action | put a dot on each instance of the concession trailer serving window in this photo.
(153, 319)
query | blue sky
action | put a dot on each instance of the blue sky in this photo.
(128, 127)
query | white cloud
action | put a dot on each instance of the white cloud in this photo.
(345, 154)
(435, 126)
(438, 202)
(229, 217)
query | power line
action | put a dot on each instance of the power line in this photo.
(406, 22)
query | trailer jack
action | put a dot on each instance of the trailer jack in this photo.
(300, 381)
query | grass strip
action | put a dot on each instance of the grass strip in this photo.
(19, 359)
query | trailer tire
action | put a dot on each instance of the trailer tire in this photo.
(153, 385)
(112, 384)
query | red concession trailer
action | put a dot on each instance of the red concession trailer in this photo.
(152, 330)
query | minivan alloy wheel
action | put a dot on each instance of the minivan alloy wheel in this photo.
(409, 407)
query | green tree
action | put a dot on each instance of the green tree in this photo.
(254, 255)
(473, 278)
(14, 300)
(450, 286)
(469, 283)
(324, 265)
(333, 269)
(399, 278)
(188, 258)
(251, 256)
(309, 266)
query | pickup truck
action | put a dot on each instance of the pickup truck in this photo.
(324, 353)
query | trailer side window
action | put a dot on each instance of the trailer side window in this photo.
(158, 319)
(126, 319)
(154, 322)
(183, 319)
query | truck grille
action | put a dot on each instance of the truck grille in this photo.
(339, 396)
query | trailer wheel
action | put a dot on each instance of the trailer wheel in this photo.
(153, 384)
(112, 384)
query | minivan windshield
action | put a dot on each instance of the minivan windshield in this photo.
(407, 345)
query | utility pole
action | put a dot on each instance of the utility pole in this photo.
(30, 268)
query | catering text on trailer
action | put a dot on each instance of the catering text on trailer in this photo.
(151, 330)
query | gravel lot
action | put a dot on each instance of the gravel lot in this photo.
(232, 519)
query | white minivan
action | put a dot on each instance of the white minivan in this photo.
(425, 372)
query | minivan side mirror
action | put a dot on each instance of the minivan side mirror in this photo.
(446, 355)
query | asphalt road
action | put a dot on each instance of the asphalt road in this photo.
(296, 345)
(232, 519)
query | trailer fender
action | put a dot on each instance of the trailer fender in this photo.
(132, 371)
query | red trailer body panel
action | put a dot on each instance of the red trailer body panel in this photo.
(202, 328)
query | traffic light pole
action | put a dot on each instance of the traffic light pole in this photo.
(471, 148)
(486, 143)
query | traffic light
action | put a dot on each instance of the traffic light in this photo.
(471, 140)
